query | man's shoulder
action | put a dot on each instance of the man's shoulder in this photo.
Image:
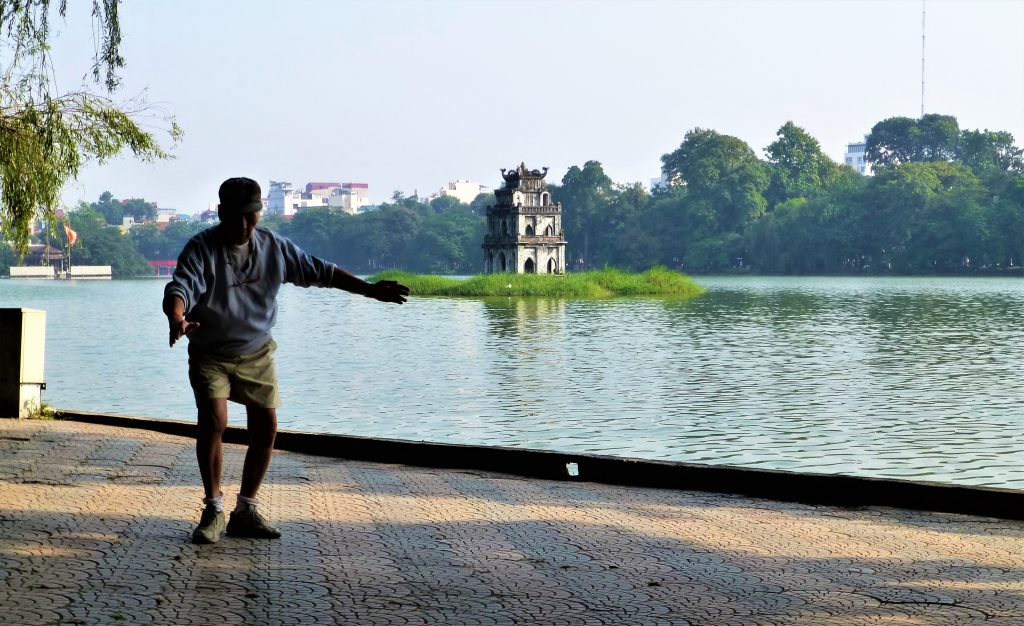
(265, 233)
(203, 240)
(267, 236)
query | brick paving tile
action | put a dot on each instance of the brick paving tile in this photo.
(95, 524)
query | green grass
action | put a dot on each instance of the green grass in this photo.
(657, 281)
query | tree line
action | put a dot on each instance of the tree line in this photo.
(941, 200)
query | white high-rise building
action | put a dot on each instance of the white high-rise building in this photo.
(855, 158)
(286, 201)
(281, 199)
(465, 191)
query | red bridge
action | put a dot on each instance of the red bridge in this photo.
(163, 268)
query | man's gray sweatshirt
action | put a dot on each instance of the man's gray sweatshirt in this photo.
(236, 305)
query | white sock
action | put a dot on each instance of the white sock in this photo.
(217, 503)
(244, 504)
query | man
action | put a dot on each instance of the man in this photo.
(223, 296)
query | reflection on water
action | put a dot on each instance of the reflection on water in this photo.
(917, 378)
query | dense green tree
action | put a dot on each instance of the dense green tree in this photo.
(272, 222)
(46, 135)
(804, 236)
(481, 202)
(442, 204)
(140, 209)
(100, 244)
(665, 218)
(989, 151)
(626, 230)
(798, 168)
(115, 210)
(164, 243)
(317, 229)
(924, 217)
(1006, 224)
(109, 207)
(8, 257)
(584, 194)
(892, 141)
(724, 178)
(449, 243)
(896, 140)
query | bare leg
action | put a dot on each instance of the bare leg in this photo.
(262, 424)
(213, 419)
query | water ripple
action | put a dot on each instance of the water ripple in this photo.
(909, 378)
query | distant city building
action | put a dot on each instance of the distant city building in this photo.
(661, 182)
(311, 187)
(855, 158)
(350, 197)
(281, 199)
(524, 227)
(317, 194)
(127, 223)
(284, 200)
(166, 216)
(465, 191)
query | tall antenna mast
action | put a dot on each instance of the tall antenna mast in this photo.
(922, 58)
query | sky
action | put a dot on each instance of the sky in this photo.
(410, 95)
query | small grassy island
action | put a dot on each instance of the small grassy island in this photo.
(657, 281)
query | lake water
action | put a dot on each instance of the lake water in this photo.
(906, 377)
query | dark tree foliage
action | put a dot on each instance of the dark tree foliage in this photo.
(989, 152)
(163, 244)
(797, 166)
(723, 175)
(115, 210)
(481, 202)
(896, 140)
(963, 213)
(99, 244)
(442, 236)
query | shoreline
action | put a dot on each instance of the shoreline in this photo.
(778, 485)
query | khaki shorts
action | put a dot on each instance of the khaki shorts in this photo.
(249, 379)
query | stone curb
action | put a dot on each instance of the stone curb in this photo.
(786, 486)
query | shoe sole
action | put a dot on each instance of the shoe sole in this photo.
(204, 540)
(251, 535)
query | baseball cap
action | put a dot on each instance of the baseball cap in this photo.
(240, 195)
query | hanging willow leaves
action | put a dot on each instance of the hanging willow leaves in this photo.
(45, 137)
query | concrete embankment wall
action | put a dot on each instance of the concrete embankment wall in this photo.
(89, 271)
(33, 271)
(770, 484)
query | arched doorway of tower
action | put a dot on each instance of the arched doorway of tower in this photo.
(529, 267)
(552, 266)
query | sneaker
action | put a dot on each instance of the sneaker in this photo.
(249, 523)
(210, 527)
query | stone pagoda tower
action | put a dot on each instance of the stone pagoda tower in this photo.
(524, 228)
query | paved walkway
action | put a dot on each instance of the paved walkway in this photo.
(95, 521)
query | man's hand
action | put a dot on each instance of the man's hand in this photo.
(181, 328)
(387, 291)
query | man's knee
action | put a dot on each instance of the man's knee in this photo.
(213, 416)
(262, 425)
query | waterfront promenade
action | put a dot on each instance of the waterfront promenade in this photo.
(95, 522)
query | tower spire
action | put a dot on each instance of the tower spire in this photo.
(922, 56)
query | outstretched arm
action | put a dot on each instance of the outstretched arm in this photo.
(384, 290)
(174, 309)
